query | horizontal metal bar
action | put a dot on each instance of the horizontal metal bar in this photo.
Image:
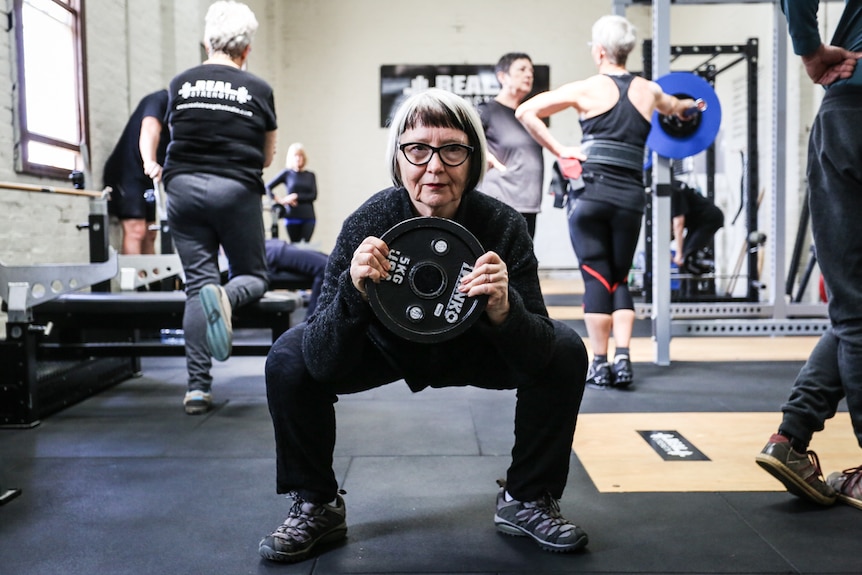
(714, 328)
(57, 351)
(718, 310)
(736, 310)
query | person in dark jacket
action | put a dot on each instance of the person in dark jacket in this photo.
(437, 156)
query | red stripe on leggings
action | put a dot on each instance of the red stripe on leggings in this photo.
(599, 277)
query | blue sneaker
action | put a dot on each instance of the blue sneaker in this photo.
(217, 310)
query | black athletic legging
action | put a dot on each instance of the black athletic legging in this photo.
(604, 238)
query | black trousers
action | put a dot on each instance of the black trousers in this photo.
(701, 222)
(303, 411)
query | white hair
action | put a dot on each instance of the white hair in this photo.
(230, 27)
(617, 36)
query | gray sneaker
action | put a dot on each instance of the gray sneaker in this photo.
(622, 371)
(848, 485)
(307, 525)
(799, 472)
(197, 402)
(540, 520)
(217, 310)
(600, 376)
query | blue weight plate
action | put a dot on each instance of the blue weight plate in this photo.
(678, 144)
(420, 301)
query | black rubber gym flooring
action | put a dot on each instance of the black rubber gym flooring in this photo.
(126, 483)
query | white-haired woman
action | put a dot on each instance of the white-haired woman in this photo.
(296, 206)
(223, 128)
(615, 109)
(437, 156)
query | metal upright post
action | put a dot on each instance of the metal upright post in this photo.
(661, 314)
(97, 226)
(99, 241)
(779, 175)
(753, 176)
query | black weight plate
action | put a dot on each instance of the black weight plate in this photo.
(420, 301)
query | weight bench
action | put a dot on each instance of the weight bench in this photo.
(118, 324)
(63, 345)
(283, 280)
(137, 271)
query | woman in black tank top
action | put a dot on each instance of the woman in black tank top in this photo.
(615, 108)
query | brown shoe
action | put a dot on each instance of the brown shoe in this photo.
(848, 484)
(799, 472)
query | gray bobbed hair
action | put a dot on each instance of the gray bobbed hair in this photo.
(436, 108)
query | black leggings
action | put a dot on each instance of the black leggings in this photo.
(604, 238)
(299, 230)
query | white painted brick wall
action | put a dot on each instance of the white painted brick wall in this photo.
(131, 51)
(322, 57)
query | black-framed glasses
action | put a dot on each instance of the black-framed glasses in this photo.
(452, 155)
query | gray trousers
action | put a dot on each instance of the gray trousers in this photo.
(205, 212)
(834, 369)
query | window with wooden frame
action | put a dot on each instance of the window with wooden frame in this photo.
(51, 130)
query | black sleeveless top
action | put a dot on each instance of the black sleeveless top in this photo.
(622, 187)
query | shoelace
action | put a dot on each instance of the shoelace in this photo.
(301, 516)
(548, 510)
(550, 506)
(300, 519)
(815, 461)
(854, 476)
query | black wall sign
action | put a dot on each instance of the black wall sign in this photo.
(475, 82)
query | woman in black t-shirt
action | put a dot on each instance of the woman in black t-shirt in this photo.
(223, 132)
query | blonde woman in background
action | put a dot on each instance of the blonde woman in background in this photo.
(297, 205)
